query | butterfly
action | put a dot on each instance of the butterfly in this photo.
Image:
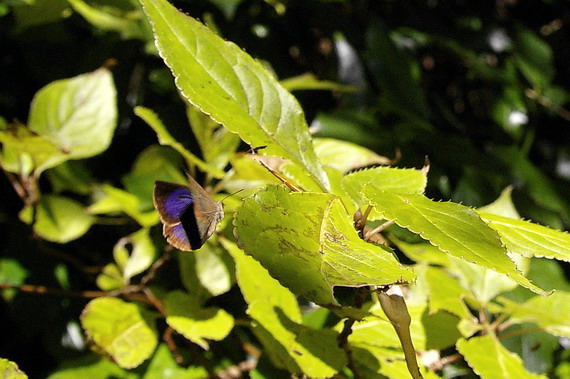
(188, 214)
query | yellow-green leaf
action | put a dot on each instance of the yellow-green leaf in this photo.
(226, 83)
(120, 329)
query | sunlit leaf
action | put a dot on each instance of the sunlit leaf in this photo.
(308, 242)
(502, 206)
(398, 180)
(235, 90)
(120, 329)
(290, 344)
(528, 239)
(141, 256)
(345, 156)
(196, 323)
(489, 359)
(58, 218)
(10, 370)
(78, 115)
(163, 365)
(453, 228)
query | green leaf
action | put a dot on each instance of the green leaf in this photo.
(189, 318)
(214, 269)
(24, 151)
(503, 206)
(11, 272)
(483, 284)
(309, 81)
(428, 331)
(235, 90)
(165, 138)
(10, 370)
(154, 163)
(307, 241)
(422, 252)
(71, 176)
(110, 278)
(397, 180)
(453, 228)
(91, 366)
(164, 366)
(550, 313)
(534, 58)
(129, 23)
(78, 115)
(115, 200)
(141, 256)
(290, 345)
(58, 219)
(528, 239)
(345, 156)
(489, 359)
(217, 143)
(445, 293)
(120, 329)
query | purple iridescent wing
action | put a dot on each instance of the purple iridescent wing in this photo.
(188, 213)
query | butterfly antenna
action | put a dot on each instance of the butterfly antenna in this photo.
(231, 194)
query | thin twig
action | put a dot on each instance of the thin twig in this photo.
(518, 332)
(441, 363)
(167, 338)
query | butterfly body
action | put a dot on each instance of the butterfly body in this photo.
(189, 215)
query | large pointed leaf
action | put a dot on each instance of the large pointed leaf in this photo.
(550, 313)
(453, 228)
(120, 329)
(290, 344)
(235, 90)
(307, 241)
(528, 239)
(491, 360)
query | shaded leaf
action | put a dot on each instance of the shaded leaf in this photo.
(120, 329)
(550, 313)
(91, 366)
(165, 138)
(58, 219)
(163, 365)
(235, 90)
(308, 242)
(116, 200)
(445, 293)
(309, 81)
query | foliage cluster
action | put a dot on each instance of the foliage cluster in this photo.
(352, 270)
